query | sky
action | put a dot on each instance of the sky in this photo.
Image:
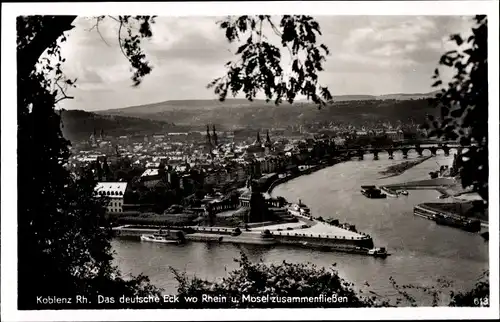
(369, 55)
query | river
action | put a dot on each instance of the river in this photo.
(422, 252)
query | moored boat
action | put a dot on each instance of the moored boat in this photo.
(372, 192)
(374, 252)
(303, 209)
(470, 225)
(378, 252)
(389, 192)
(157, 238)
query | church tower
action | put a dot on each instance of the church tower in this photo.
(208, 143)
(268, 145)
(214, 136)
(258, 139)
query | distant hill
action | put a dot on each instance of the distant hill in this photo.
(237, 113)
(175, 105)
(407, 96)
(78, 125)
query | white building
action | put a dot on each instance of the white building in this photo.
(115, 192)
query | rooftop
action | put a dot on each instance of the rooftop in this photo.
(111, 189)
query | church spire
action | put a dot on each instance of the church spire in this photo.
(268, 139)
(258, 137)
(209, 141)
(214, 135)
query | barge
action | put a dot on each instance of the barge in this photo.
(470, 225)
(458, 222)
(372, 192)
(380, 252)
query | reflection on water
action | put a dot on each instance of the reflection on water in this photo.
(421, 250)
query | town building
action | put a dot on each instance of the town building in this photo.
(115, 192)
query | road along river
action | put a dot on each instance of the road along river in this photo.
(422, 252)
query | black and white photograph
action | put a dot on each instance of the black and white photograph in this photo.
(249, 156)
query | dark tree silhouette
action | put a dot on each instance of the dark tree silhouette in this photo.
(464, 104)
(64, 240)
(258, 67)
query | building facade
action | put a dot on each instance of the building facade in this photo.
(115, 192)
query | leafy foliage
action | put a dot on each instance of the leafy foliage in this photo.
(63, 238)
(284, 280)
(259, 68)
(136, 28)
(464, 104)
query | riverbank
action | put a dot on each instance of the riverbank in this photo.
(288, 177)
(397, 169)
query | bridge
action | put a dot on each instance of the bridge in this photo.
(405, 149)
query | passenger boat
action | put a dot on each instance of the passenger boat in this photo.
(372, 192)
(157, 238)
(378, 252)
(304, 210)
(294, 209)
(299, 209)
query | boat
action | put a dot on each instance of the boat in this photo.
(471, 225)
(294, 209)
(423, 212)
(374, 252)
(372, 192)
(389, 192)
(304, 210)
(403, 192)
(157, 238)
(378, 252)
(299, 210)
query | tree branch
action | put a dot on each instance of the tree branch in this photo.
(53, 28)
(120, 39)
(62, 92)
(96, 26)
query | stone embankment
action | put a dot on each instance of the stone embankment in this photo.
(317, 235)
